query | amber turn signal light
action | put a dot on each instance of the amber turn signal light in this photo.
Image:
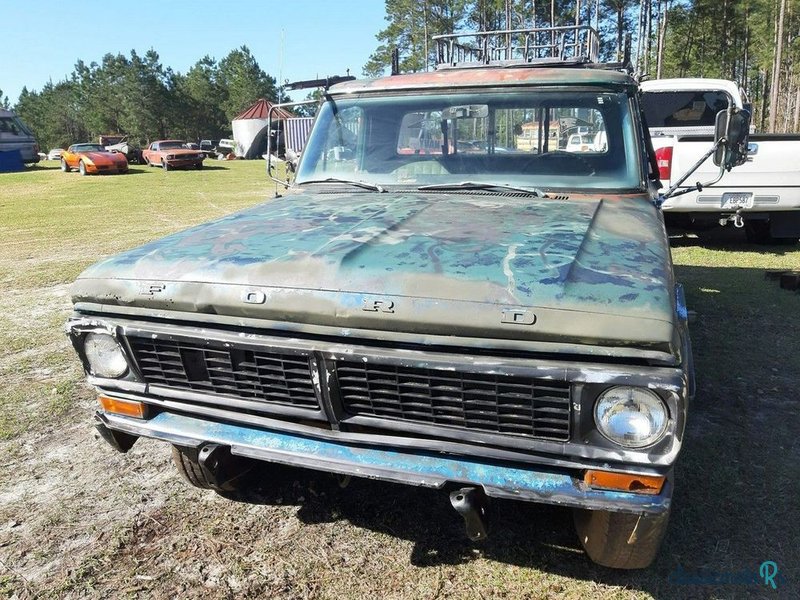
(129, 408)
(624, 482)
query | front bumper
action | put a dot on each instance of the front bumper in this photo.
(106, 169)
(183, 162)
(401, 465)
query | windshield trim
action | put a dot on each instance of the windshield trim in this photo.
(626, 126)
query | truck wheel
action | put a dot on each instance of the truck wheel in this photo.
(620, 540)
(82, 168)
(232, 469)
(65, 166)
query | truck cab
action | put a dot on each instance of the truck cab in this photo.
(449, 300)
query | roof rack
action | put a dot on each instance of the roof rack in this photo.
(323, 83)
(573, 44)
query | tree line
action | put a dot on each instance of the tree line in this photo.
(753, 42)
(138, 96)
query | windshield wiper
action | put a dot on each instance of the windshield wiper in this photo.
(478, 185)
(361, 184)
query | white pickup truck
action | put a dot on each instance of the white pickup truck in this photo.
(763, 195)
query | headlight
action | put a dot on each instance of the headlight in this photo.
(104, 355)
(630, 416)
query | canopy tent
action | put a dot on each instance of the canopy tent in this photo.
(250, 128)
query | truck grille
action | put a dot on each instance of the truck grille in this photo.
(475, 401)
(453, 399)
(259, 375)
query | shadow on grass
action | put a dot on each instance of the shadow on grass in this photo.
(43, 167)
(736, 499)
(159, 169)
(725, 239)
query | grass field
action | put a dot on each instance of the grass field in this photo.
(77, 520)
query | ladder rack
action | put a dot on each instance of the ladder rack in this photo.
(574, 44)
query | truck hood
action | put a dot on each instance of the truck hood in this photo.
(589, 270)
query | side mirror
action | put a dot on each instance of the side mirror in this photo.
(731, 132)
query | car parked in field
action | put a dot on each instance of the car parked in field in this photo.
(172, 154)
(55, 154)
(93, 159)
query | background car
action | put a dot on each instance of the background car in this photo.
(92, 159)
(171, 154)
(55, 154)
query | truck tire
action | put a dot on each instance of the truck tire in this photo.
(620, 540)
(189, 468)
(234, 471)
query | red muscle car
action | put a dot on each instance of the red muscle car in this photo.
(92, 159)
(172, 154)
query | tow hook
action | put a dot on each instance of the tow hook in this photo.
(736, 219)
(119, 440)
(219, 466)
(472, 504)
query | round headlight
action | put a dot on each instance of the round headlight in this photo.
(104, 355)
(630, 416)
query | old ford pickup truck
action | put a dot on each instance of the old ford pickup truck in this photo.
(451, 300)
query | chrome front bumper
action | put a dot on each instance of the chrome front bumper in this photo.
(401, 465)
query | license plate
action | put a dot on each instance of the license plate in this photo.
(737, 200)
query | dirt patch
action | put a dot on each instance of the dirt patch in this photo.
(78, 520)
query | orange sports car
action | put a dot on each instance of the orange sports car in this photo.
(93, 159)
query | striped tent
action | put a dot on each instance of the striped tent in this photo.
(297, 130)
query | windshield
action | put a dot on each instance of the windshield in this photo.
(683, 109)
(14, 126)
(171, 145)
(89, 148)
(547, 140)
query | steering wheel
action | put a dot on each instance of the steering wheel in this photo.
(576, 156)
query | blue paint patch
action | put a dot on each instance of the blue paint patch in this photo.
(680, 303)
(420, 468)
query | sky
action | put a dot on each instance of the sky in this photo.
(291, 39)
